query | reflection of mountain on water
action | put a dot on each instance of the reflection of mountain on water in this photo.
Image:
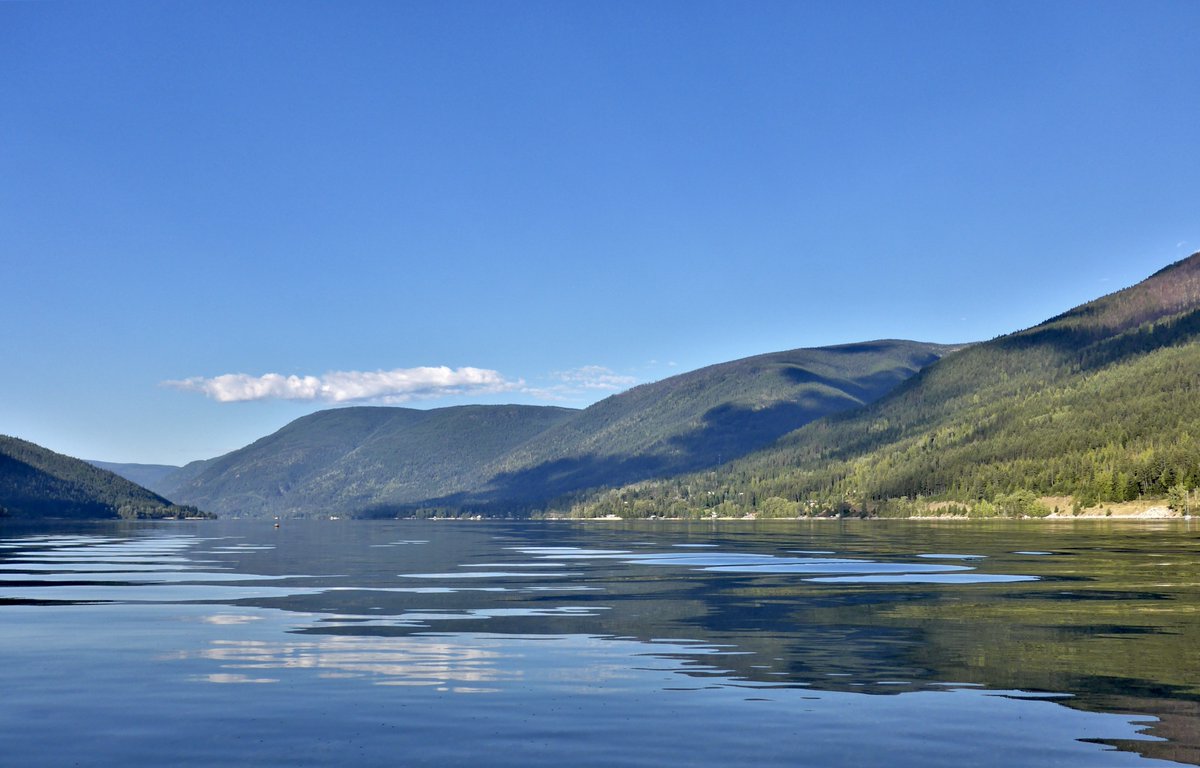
(1178, 725)
(1071, 631)
(497, 608)
(591, 678)
(489, 663)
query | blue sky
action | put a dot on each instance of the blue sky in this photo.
(218, 216)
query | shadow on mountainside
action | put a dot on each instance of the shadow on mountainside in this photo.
(864, 389)
(727, 432)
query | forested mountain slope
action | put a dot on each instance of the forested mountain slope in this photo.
(36, 482)
(347, 460)
(699, 419)
(1101, 403)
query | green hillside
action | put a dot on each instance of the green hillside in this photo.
(1101, 403)
(351, 460)
(699, 419)
(39, 483)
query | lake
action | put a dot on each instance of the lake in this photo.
(403, 643)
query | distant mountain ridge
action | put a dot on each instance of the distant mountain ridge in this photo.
(36, 482)
(145, 475)
(387, 461)
(346, 460)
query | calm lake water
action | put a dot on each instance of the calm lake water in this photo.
(528, 644)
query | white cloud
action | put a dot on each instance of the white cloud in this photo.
(396, 386)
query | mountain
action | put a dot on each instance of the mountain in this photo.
(38, 483)
(347, 460)
(387, 461)
(699, 419)
(1100, 404)
(145, 475)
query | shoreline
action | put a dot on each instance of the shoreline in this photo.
(1139, 510)
(1082, 517)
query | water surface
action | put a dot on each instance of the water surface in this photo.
(707, 644)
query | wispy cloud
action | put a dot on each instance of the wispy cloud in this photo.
(395, 386)
(595, 377)
(583, 382)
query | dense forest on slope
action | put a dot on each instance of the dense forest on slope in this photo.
(37, 482)
(1099, 403)
(698, 419)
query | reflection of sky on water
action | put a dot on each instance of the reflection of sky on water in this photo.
(514, 565)
(596, 680)
(150, 593)
(866, 570)
(769, 639)
(402, 542)
(105, 557)
(450, 660)
(359, 648)
(938, 556)
(91, 566)
(229, 619)
(487, 575)
(411, 660)
(924, 578)
(158, 576)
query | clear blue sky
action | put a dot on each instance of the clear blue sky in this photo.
(569, 197)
